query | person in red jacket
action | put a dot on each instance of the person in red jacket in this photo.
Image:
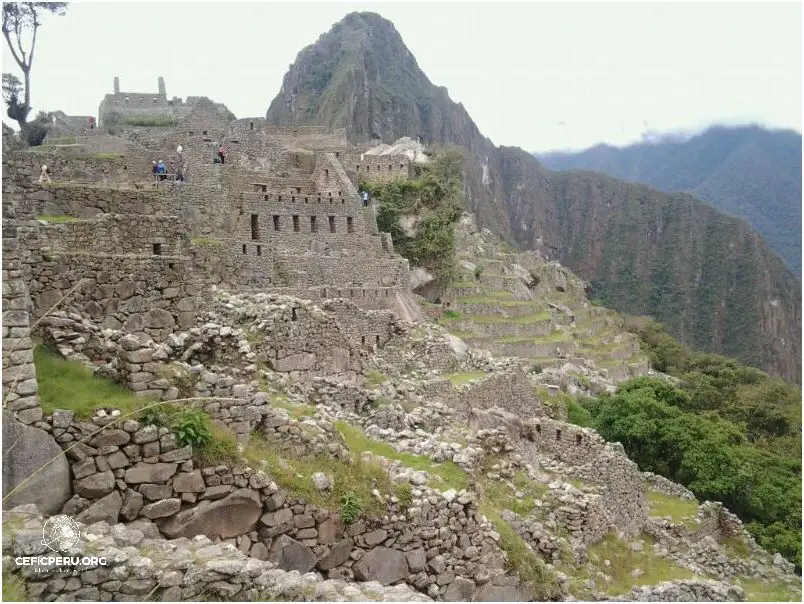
(222, 154)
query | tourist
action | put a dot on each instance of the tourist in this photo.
(365, 199)
(180, 174)
(44, 176)
(180, 152)
(161, 170)
(154, 169)
(222, 155)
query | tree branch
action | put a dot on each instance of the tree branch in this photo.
(6, 34)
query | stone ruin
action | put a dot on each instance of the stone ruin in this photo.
(188, 289)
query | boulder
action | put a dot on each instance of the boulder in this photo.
(26, 450)
(95, 486)
(150, 472)
(106, 509)
(338, 554)
(289, 554)
(234, 515)
(383, 565)
(460, 590)
(499, 593)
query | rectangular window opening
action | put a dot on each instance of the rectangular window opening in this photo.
(244, 248)
(259, 250)
(157, 248)
(350, 226)
(276, 222)
(331, 224)
(295, 224)
(313, 225)
(255, 227)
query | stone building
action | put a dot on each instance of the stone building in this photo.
(119, 106)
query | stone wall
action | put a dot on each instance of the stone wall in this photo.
(119, 234)
(87, 201)
(21, 169)
(441, 544)
(384, 167)
(593, 459)
(19, 375)
(178, 570)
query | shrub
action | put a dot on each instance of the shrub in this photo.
(478, 272)
(192, 428)
(536, 367)
(351, 507)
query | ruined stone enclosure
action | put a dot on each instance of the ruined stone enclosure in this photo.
(279, 216)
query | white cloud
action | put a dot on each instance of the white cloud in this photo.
(537, 76)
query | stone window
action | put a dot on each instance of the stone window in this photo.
(157, 248)
(401, 166)
(264, 188)
(377, 339)
(204, 133)
(279, 198)
(319, 200)
(313, 226)
(350, 226)
(389, 167)
(578, 439)
(267, 197)
(259, 250)
(251, 125)
(326, 173)
(244, 248)
(190, 132)
(255, 227)
(276, 222)
(295, 224)
(305, 200)
(298, 189)
(337, 153)
(171, 265)
(538, 428)
(357, 168)
(331, 224)
(363, 340)
(558, 434)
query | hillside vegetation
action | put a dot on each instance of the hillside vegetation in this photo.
(431, 204)
(728, 432)
(746, 171)
(707, 276)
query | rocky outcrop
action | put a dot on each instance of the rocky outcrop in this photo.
(35, 465)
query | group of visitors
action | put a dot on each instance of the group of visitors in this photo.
(160, 171)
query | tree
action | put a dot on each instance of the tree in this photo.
(20, 20)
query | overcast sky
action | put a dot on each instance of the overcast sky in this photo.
(538, 76)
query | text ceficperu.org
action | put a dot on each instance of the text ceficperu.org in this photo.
(61, 561)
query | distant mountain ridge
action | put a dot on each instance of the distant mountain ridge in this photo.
(708, 277)
(746, 171)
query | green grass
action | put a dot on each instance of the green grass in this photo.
(66, 140)
(13, 587)
(676, 508)
(624, 561)
(54, 218)
(155, 122)
(504, 498)
(556, 336)
(451, 475)
(538, 317)
(459, 379)
(462, 333)
(296, 411)
(375, 378)
(578, 415)
(502, 298)
(522, 560)
(759, 590)
(295, 475)
(463, 284)
(69, 385)
(205, 241)
(222, 449)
